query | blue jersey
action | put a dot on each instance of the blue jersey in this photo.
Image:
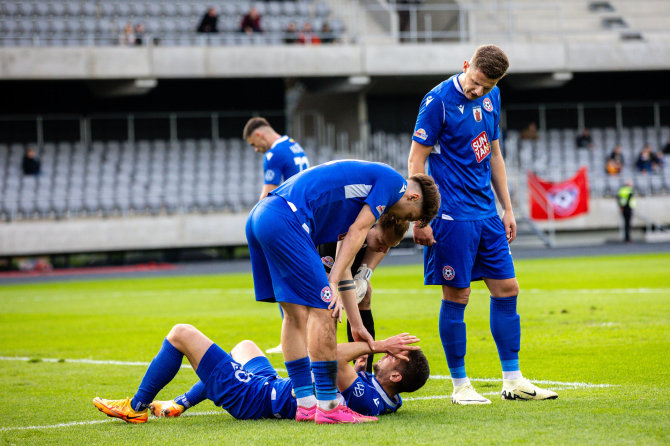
(284, 159)
(461, 132)
(366, 396)
(327, 198)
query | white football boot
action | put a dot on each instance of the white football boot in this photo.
(465, 394)
(522, 389)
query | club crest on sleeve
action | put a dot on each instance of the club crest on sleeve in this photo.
(269, 175)
(327, 261)
(477, 113)
(380, 209)
(326, 295)
(421, 134)
(448, 272)
(488, 106)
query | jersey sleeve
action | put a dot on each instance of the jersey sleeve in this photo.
(497, 102)
(363, 398)
(386, 192)
(272, 169)
(430, 120)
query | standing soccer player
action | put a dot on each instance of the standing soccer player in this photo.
(457, 131)
(339, 199)
(282, 158)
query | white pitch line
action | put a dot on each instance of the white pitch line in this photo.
(536, 291)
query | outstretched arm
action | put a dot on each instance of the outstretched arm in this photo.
(396, 346)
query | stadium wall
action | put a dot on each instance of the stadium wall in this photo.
(215, 230)
(336, 60)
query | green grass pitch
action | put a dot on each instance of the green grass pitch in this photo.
(595, 329)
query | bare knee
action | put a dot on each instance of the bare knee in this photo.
(245, 350)
(503, 288)
(458, 295)
(179, 334)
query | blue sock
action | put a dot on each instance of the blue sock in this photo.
(452, 334)
(325, 380)
(193, 397)
(162, 369)
(301, 377)
(506, 331)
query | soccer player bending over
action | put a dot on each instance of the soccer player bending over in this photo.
(457, 131)
(246, 385)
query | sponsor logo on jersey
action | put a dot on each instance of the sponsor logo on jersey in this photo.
(477, 113)
(429, 99)
(461, 108)
(448, 272)
(481, 146)
(376, 400)
(403, 189)
(359, 390)
(326, 295)
(421, 133)
(487, 105)
(380, 209)
(327, 261)
(269, 175)
(269, 155)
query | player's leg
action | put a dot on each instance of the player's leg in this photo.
(494, 263)
(277, 348)
(364, 307)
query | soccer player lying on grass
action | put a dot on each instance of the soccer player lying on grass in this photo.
(246, 385)
(387, 233)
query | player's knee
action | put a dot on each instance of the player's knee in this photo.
(458, 295)
(513, 288)
(179, 332)
(245, 348)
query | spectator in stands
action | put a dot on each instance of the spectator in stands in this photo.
(139, 34)
(308, 36)
(251, 22)
(127, 36)
(584, 140)
(666, 148)
(614, 161)
(291, 34)
(209, 22)
(644, 162)
(657, 161)
(30, 164)
(530, 132)
(327, 35)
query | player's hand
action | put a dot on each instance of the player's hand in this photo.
(423, 236)
(335, 303)
(398, 345)
(361, 334)
(509, 222)
(361, 281)
(360, 363)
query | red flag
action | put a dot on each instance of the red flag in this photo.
(565, 199)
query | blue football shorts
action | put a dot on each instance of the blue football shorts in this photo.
(284, 261)
(248, 391)
(467, 251)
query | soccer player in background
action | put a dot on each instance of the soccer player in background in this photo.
(246, 385)
(457, 131)
(282, 158)
(387, 233)
(338, 198)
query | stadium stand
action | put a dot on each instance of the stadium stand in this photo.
(167, 22)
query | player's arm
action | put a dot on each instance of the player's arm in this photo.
(396, 346)
(499, 181)
(418, 155)
(267, 188)
(370, 261)
(351, 243)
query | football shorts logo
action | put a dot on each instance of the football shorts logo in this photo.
(326, 295)
(380, 209)
(448, 272)
(477, 113)
(421, 134)
(487, 105)
(481, 146)
(359, 390)
(327, 261)
(269, 175)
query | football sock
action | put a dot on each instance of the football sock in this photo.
(325, 381)
(196, 395)
(369, 324)
(301, 377)
(162, 369)
(506, 331)
(452, 334)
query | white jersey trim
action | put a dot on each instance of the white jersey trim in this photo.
(357, 190)
(383, 393)
(457, 84)
(279, 141)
